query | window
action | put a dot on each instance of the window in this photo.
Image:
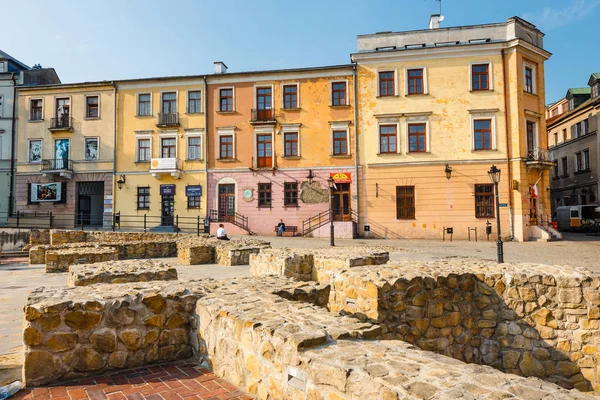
(564, 134)
(264, 154)
(529, 80)
(35, 151)
(556, 170)
(91, 149)
(480, 77)
(226, 100)
(388, 139)
(405, 202)
(417, 138)
(92, 107)
(565, 107)
(290, 194)
(143, 150)
(264, 195)
(226, 147)
(144, 104)
(586, 127)
(37, 111)
(531, 139)
(484, 201)
(586, 160)
(193, 202)
(290, 144)
(565, 166)
(578, 162)
(194, 148)
(194, 105)
(168, 147)
(571, 104)
(595, 90)
(578, 129)
(290, 96)
(482, 129)
(1, 106)
(340, 143)
(169, 103)
(338, 94)
(143, 198)
(555, 138)
(415, 81)
(264, 104)
(386, 83)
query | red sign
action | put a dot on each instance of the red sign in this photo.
(341, 177)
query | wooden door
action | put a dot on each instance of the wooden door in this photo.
(341, 202)
(263, 151)
(226, 202)
(263, 102)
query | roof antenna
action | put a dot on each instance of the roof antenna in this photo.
(440, 1)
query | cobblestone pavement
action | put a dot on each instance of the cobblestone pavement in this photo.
(179, 380)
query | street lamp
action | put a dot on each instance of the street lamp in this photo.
(331, 183)
(494, 174)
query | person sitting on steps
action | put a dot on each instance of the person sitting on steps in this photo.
(221, 234)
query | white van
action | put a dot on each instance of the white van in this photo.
(576, 217)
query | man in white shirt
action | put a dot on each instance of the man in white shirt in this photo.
(221, 234)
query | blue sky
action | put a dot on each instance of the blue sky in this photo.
(114, 39)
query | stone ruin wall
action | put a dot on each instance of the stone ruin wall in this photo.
(59, 236)
(120, 272)
(60, 260)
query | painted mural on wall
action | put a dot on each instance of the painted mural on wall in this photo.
(313, 193)
(35, 151)
(61, 153)
(45, 192)
(91, 149)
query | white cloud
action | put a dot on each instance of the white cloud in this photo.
(549, 18)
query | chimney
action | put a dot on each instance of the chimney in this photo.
(434, 21)
(220, 67)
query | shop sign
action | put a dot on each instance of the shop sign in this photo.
(193, 190)
(167, 190)
(341, 177)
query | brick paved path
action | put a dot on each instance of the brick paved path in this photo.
(179, 380)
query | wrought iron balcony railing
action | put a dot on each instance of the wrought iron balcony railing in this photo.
(168, 119)
(263, 115)
(64, 123)
(56, 164)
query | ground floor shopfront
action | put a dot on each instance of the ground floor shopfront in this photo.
(420, 201)
(72, 199)
(263, 197)
(144, 201)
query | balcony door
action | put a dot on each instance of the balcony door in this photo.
(264, 151)
(263, 104)
(226, 202)
(63, 112)
(530, 139)
(169, 101)
(61, 154)
(169, 147)
(341, 202)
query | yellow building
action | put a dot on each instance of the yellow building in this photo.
(65, 154)
(160, 174)
(437, 108)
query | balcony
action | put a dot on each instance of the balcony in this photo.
(165, 166)
(538, 158)
(64, 123)
(168, 120)
(57, 167)
(262, 116)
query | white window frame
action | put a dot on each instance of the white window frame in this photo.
(533, 77)
(331, 93)
(2, 66)
(168, 135)
(218, 98)
(226, 131)
(396, 83)
(383, 122)
(85, 139)
(31, 109)
(475, 116)
(188, 136)
(187, 101)
(29, 148)
(297, 84)
(575, 166)
(264, 130)
(137, 104)
(56, 98)
(85, 116)
(417, 120)
(536, 139)
(585, 160)
(290, 128)
(425, 80)
(490, 75)
(137, 147)
(340, 126)
(176, 100)
(258, 86)
(595, 90)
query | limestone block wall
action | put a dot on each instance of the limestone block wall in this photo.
(291, 263)
(524, 319)
(60, 260)
(120, 272)
(89, 330)
(60, 236)
(195, 254)
(65, 237)
(39, 236)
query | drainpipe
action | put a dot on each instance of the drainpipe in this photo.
(354, 73)
(114, 189)
(205, 101)
(13, 134)
(508, 175)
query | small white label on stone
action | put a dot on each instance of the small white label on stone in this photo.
(296, 378)
(350, 302)
(81, 261)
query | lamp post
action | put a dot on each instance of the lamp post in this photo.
(494, 174)
(331, 183)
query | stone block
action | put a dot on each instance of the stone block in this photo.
(60, 260)
(120, 272)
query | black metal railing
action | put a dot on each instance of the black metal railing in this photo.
(263, 115)
(234, 218)
(101, 222)
(61, 123)
(324, 218)
(56, 164)
(168, 119)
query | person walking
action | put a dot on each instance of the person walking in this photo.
(280, 228)
(221, 234)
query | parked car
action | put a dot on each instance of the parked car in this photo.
(577, 217)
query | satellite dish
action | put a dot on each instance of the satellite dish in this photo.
(441, 18)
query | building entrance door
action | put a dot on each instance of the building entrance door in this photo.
(341, 202)
(90, 203)
(226, 202)
(168, 210)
